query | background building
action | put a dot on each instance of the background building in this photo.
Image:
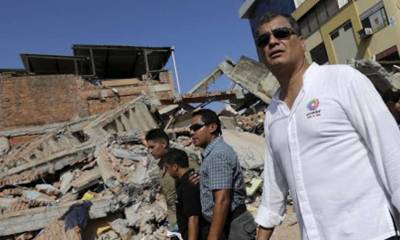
(339, 30)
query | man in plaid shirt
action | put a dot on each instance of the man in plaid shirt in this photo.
(222, 189)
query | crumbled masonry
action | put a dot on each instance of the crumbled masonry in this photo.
(102, 159)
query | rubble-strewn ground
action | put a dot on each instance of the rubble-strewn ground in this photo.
(103, 161)
(289, 229)
(45, 184)
(93, 178)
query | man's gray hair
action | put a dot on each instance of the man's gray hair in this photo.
(269, 16)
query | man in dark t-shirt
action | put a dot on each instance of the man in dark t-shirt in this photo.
(188, 208)
(157, 141)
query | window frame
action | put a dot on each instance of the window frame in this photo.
(379, 7)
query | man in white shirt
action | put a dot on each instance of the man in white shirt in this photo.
(331, 141)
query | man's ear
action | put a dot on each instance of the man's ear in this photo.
(175, 167)
(213, 127)
(164, 144)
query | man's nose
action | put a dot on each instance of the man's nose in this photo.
(273, 40)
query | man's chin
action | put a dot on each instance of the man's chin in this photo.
(277, 64)
(198, 144)
(277, 61)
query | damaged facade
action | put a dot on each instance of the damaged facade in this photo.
(54, 90)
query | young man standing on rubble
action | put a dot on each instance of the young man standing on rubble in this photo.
(158, 144)
(222, 189)
(331, 141)
(188, 208)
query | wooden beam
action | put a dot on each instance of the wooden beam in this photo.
(200, 97)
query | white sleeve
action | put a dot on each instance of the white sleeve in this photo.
(377, 128)
(275, 190)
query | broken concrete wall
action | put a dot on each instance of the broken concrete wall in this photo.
(254, 77)
(249, 147)
(74, 142)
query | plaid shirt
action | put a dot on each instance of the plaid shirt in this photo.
(220, 169)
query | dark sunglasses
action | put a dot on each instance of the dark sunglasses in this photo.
(278, 33)
(196, 126)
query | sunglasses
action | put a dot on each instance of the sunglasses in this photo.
(196, 126)
(278, 33)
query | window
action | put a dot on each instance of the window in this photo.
(332, 7)
(342, 3)
(334, 34)
(375, 17)
(322, 14)
(305, 30)
(347, 26)
(319, 55)
(297, 3)
(317, 16)
(312, 21)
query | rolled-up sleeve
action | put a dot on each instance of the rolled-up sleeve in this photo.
(275, 190)
(378, 129)
(220, 171)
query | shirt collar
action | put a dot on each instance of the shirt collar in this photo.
(309, 70)
(211, 146)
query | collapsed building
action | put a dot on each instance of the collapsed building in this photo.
(72, 127)
(54, 90)
(73, 164)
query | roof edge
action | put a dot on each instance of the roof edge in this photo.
(244, 10)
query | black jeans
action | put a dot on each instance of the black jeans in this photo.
(393, 238)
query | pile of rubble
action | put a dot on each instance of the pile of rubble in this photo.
(101, 161)
(252, 123)
(93, 178)
(47, 183)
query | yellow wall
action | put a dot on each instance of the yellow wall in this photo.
(364, 5)
(349, 12)
(367, 48)
(383, 39)
(388, 36)
(392, 8)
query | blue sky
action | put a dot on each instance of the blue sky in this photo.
(203, 32)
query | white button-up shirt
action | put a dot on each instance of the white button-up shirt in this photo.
(338, 152)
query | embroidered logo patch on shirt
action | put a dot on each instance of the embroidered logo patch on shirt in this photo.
(313, 107)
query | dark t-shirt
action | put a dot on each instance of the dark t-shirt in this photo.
(188, 203)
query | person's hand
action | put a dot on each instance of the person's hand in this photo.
(194, 178)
